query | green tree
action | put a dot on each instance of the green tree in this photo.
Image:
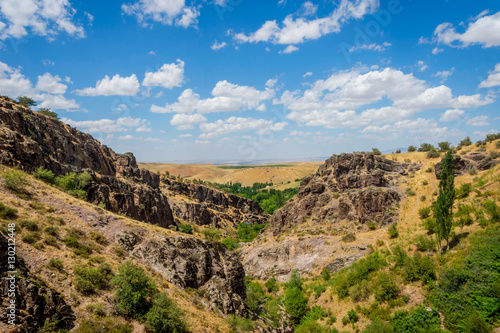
(134, 289)
(26, 101)
(444, 146)
(376, 151)
(425, 147)
(412, 149)
(443, 209)
(465, 142)
(295, 302)
(165, 316)
(48, 112)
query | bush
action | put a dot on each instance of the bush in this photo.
(47, 112)
(465, 142)
(425, 212)
(425, 147)
(310, 327)
(444, 146)
(350, 237)
(376, 151)
(360, 292)
(134, 289)
(78, 248)
(424, 243)
(393, 231)
(477, 324)
(492, 210)
(51, 241)
(230, 243)
(185, 228)
(99, 238)
(51, 230)
(325, 274)
(295, 302)
(372, 225)
(45, 175)
(211, 234)
(239, 324)
(29, 225)
(430, 225)
(248, 232)
(75, 183)
(55, 263)
(7, 212)
(272, 285)
(419, 268)
(15, 180)
(385, 288)
(463, 191)
(89, 279)
(378, 326)
(412, 149)
(417, 321)
(358, 272)
(255, 296)
(165, 317)
(410, 192)
(429, 169)
(26, 101)
(433, 153)
(104, 325)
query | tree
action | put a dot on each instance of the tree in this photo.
(26, 101)
(376, 151)
(444, 146)
(465, 142)
(295, 302)
(48, 112)
(165, 316)
(412, 149)
(443, 209)
(425, 147)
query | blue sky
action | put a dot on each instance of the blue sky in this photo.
(238, 80)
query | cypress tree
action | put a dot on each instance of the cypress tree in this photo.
(443, 208)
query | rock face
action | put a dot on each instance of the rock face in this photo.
(203, 205)
(35, 302)
(29, 140)
(190, 262)
(468, 162)
(347, 186)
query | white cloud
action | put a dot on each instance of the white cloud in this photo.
(57, 102)
(289, 49)
(478, 121)
(343, 99)
(485, 30)
(299, 30)
(437, 50)
(452, 114)
(152, 53)
(13, 83)
(307, 74)
(125, 137)
(39, 17)
(217, 46)
(123, 124)
(117, 85)
(187, 135)
(143, 128)
(308, 9)
(167, 12)
(493, 79)
(421, 65)
(184, 121)
(226, 97)
(371, 47)
(238, 125)
(444, 75)
(51, 84)
(299, 133)
(168, 76)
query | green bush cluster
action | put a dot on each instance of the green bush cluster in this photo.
(185, 228)
(15, 180)
(248, 232)
(7, 212)
(78, 248)
(89, 279)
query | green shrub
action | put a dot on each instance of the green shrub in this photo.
(295, 302)
(350, 237)
(75, 183)
(55, 263)
(358, 272)
(104, 325)
(134, 289)
(360, 292)
(239, 324)
(248, 232)
(49, 113)
(51, 230)
(492, 210)
(372, 225)
(318, 290)
(185, 228)
(51, 241)
(89, 279)
(325, 274)
(433, 153)
(272, 285)
(417, 321)
(409, 192)
(7, 212)
(310, 327)
(378, 326)
(255, 296)
(425, 147)
(419, 268)
(429, 169)
(15, 180)
(96, 308)
(477, 324)
(424, 212)
(353, 316)
(45, 175)
(230, 243)
(31, 238)
(211, 234)
(392, 231)
(385, 288)
(165, 317)
(424, 243)
(412, 149)
(78, 248)
(463, 191)
(99, 238)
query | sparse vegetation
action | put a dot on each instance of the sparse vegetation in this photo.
(15, 180)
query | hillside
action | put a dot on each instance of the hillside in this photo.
(355, 250)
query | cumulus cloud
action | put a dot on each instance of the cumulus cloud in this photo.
(298, 30)
(478, 121)
(57, 102)
(167, 12)
(484, 31)
(238, 125)
(123, 124)
(289, 49)
(183, 121)
(451, 115)
(18, 18)
(51, 84)
(226, 97)
(421, 65)
(168, 76)
(444, 75)
(343, 99)
(493, 79)
(117, 85)
(217, 46)
(370, 47)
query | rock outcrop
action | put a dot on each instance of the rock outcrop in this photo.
(348, 186)
(30, 140)
(464, 164)
(35, 303)
(194, 263)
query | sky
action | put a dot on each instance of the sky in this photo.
(240, 80)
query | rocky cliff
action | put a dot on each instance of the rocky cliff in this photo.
(470, 162)
(356, 187)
